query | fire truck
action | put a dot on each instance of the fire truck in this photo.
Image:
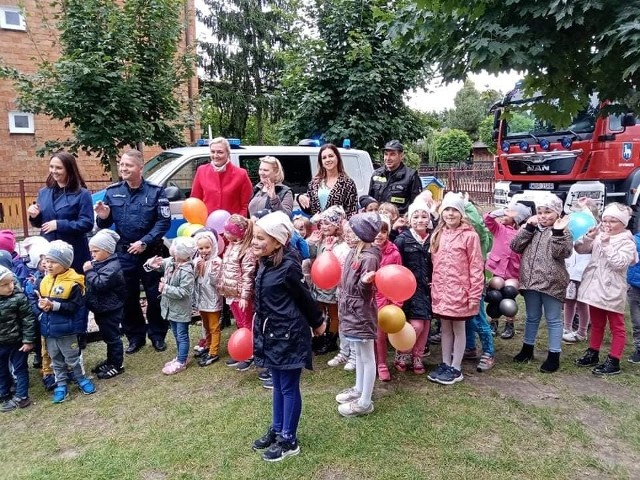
(595, 156)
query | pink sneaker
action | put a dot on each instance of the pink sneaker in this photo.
(170, 362)
(173, 368)
(383, 373)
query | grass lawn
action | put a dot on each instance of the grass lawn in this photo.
(512, 422)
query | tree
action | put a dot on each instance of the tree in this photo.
(569, 49)
(452, 146)
(348, 81)
(470, 110)
(115, 81)
(242, 62)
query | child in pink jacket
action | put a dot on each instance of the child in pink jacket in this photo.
(457, 284)
(502, 261)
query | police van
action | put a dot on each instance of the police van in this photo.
(175, 169)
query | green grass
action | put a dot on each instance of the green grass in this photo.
(512, 422)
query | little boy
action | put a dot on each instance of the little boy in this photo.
(63, 318)
(106, 292)
(17, 333)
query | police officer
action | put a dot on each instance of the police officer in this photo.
(395, 182)
(141, 215)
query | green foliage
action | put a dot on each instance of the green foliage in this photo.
(485, 133)
(347, 81)
(451, 146)
(469, 112)
(569, 49)
(116, 78)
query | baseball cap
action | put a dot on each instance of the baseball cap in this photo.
(394, 145)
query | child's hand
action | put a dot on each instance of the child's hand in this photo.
(401, 222)
(592, 233)
(155, 262)
(368, 277)
(533, 220)
(561, 223)
(45, 304)
(26, 347)
(320, 330)
(329, 242)
(86, 266)
(604, 237)
(161, 285)
(315, 237)
(243, 304)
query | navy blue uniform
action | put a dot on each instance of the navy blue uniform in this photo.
(139, 214)
(400, 187)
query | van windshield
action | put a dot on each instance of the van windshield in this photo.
(157, 162)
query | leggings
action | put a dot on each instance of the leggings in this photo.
(599, 319)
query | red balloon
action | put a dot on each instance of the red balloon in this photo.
(240, 344)
(396, 282)
(326, 271)
(194, 210)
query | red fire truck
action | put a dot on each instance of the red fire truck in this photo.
(595, 156)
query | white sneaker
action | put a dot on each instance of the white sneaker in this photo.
(348, 395)
(350, 366)
(573, 337)
(353, 409)
(338, 360)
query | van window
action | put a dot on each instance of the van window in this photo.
(297, 170)
(183, 177)
(353, 169)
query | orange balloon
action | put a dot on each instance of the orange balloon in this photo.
(405, 339)
(326, 271)
(396, 282)
(240, 344)
(391, 319)
(195, 211)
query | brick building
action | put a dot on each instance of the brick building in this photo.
(26, 32)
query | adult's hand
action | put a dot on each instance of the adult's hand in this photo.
(303, 200)
(102, 210)
(136, 248)
(50, 226)
(34, 210)
(270, 188)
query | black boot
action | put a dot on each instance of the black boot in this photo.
(525, 355)
(552, 363)
(590, 358)
(325, 345)
(334, 342)
(611, 366)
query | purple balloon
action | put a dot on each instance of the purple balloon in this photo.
(217, 219)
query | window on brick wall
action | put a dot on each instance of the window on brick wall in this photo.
(21, 122)
(11, 18)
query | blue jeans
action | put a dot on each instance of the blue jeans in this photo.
(287, 402)
(181, 333)
(11, 355)
(535, 302)
(479, 324)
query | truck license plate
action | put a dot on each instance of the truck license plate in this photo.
(541, 186)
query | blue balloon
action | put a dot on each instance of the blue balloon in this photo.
(580, 223)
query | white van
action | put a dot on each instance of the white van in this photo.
(177, 168)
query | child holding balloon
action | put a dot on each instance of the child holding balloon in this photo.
(457, 285)
(358, 314)
(237, 276)
(544, 243)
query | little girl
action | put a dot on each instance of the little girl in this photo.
(544, 244)
(285, 312)
(604, 285)
(176, 293)
(502, 261)
(413, 245)
(398, 223)
(358, 315)
(328, 238)
(390, 256)
(237, 274)
(208, 301)
(456, 288)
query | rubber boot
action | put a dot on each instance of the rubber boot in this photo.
(525, 355)
(552, 363)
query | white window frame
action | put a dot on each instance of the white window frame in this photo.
(10, 26)
(12, 120)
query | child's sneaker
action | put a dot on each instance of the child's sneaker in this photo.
(450, 376)
(418, 366)
(573, 337)
(201, 346)
(109, 371)
(14, 403)
(348, 395)
(244, 366)
(207, 359)
(486, 363)
(338, 360)
(173, 360)
(470, 354)
(268, 383)
(354, 409)
(383, 373)
(86, 386)
(433, 374)
(281, 450)
(264, 375)
(635, 358)
(350, 366)
(266, 440)
(174, 367)
(100, 366)
(402, 361)
(231, 363)
(590, 358)
(60, 394)
(509, 331)
(49, 382)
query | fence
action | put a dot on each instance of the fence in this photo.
(15, 198)
(478, 182)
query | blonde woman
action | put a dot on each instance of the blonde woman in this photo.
(270, 193)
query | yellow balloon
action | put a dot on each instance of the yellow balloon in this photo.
(391, 319)
(191, 229)
(405, 339)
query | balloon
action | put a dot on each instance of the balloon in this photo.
(395, 282)
(512, 282)
(240, 344)
(220, 245)
(405, 339)
(580, 223)
(493, 297)
(509, 292)
(181, 229)
(191, 229)
(391, 319)
(508, 307)
(217, 219)
(496, 283)
(194, 210)
(326, 271)
(493, 310)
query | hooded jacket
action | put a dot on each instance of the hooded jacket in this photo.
(207, 298)
(106, 289)
(237, 274)
(17, 321)
(177, 295)
(69, 314)
(416, 257)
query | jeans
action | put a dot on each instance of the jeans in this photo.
(633, 296)
(181, 333)
(535, 302)
(479, 324)
(287, 402)
(109, 325)
(11, 355)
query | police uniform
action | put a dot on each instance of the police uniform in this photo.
(139, 214)
(400, 187)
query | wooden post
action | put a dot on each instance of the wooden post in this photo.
(23, 208)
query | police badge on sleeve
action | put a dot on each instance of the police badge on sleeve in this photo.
(165, 208)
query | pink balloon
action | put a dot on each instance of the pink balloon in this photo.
(217, 219)
(220, 245)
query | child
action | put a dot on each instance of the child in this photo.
(8, 243)
(303, 226)
(208, 301)
(457, 284)
(502, 261)
(237, 274)
(390, 256)
(176, 293)
(106, 291)
(328, 238)
(17, 334)
(358, 315)
(544, 244)
(398, 223)
(633, 279)
(414, 247)
(604, 286)
(285, 315)
(368, 204)
(63, 318)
